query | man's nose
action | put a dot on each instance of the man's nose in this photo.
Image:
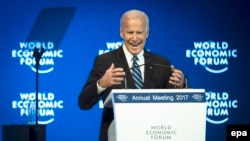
(134, 36)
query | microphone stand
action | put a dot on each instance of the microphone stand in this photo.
(38, 56)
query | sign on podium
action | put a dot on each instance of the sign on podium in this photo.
(157, 114)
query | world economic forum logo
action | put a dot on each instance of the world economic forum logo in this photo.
(214, 56)
(47, 32)
(110, 46)
(46, 63)
(47, 104)
(219, 105)
(122, 97)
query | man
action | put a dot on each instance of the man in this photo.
(112, 69)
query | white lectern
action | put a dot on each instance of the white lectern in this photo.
(158, 114)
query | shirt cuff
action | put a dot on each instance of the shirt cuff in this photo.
(99, 88)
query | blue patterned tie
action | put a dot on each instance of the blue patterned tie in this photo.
(136, 73)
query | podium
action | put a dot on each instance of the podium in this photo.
(157, 114)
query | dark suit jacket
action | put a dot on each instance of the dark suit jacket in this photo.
(155, 77)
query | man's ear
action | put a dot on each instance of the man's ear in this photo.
(147, 33)
(121, 32)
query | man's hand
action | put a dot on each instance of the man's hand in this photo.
(112, 76)
(177, 78)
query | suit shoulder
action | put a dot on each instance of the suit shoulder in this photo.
(158, 58)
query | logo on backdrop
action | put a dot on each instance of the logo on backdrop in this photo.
(45, 33)
(46, 105)
(47, 62)
(218, 106)
(110, 46)
(214, 56)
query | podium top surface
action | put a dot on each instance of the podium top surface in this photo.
(127, 91)
(108, 101)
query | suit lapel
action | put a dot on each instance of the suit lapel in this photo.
(148, 70)
(122, 62)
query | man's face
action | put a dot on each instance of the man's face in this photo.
(134, 33)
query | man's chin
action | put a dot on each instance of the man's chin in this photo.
(135, 51)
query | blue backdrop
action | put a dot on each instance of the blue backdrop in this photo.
(208, 40)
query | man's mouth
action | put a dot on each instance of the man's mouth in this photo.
(135, 44)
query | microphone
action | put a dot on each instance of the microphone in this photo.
(160, 65)
(38, 55)
(148, 60)
(136, 66)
